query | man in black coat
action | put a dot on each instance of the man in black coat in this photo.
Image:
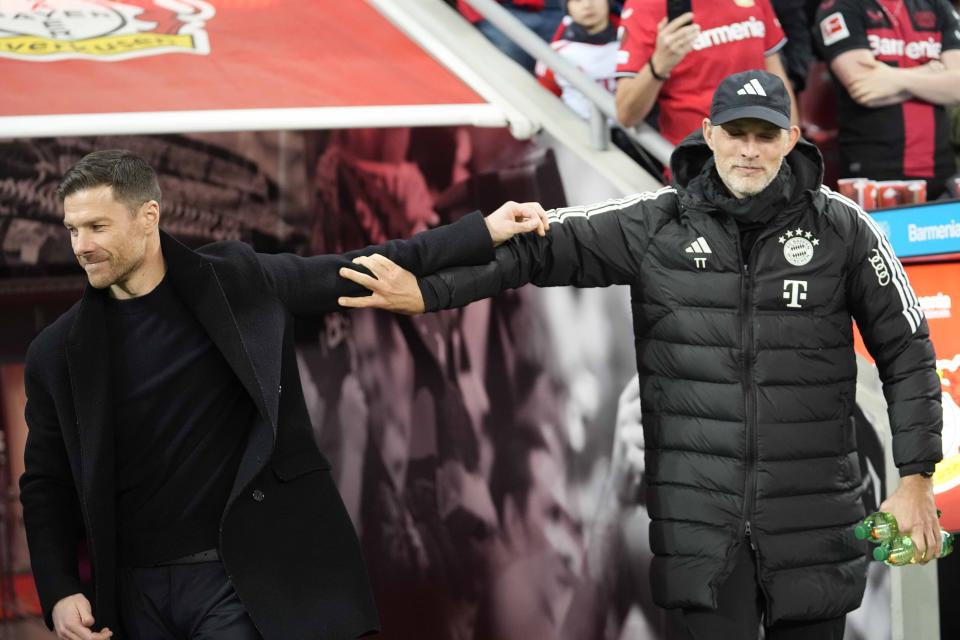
(168, 430)
(744, 278)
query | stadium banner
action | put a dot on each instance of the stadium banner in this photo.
(922, 230)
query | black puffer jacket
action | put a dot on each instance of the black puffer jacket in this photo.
(747, 373)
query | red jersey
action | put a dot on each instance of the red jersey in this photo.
(735, 35)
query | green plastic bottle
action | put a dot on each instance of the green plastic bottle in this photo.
(900, 550)
(877, 527)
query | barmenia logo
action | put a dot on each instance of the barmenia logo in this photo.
(102, 29)
(928, 49)
(735, 32)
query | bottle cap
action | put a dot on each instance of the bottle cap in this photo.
(862, 531)
(880, 553)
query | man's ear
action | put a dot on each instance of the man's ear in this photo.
(708, 132)
(149, 213)
(793, 135)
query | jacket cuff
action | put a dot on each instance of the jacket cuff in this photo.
(471, 234)
(917, 467)
(431, 302)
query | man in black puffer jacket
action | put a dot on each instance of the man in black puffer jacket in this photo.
(744, 278)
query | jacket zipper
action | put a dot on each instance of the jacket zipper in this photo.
(750, 403)
(746, 334)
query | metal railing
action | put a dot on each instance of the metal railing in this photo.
(602, 104)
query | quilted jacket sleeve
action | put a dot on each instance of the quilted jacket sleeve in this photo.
(593, 246)
(893, 327)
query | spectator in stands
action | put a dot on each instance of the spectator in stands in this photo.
(540, 16)
(678, 62)
(795, 18)
(897, 64)
(587, 37)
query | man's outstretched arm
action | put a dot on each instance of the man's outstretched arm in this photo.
(592, 246)
(310, 286)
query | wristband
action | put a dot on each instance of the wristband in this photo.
(653, 71)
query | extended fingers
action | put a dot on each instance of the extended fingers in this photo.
(383, 263)
(361, 302)
(371, 262)
(681, 41)
(678, 23)
(362, 279)
(542, 216)
(531, 216)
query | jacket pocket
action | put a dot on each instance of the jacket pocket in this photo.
(849, 434)
(293, 466)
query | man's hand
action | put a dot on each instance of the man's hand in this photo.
(913, 506)
(516, 217)
(674, 41)
(394, 288)
(73, 617)
(877, 85)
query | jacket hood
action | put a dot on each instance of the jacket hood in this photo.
(690, 156)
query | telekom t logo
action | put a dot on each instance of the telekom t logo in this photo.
(794, 291)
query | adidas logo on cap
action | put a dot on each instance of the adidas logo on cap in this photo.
(754, 94)
(753, 87)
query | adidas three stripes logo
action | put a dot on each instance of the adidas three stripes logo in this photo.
(753, 87)
(699, 246)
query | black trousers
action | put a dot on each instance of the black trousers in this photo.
(182, 602)
(740, 612)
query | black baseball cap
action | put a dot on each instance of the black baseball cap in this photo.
(751, 94)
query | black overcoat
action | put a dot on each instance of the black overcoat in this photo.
(286, 540)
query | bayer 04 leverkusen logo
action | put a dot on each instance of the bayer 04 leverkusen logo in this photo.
(102, 29)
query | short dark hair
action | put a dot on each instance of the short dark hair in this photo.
(132, 179)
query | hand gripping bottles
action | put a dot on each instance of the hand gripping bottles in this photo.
(900, 550)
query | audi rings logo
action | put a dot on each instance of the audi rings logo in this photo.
(880, 268)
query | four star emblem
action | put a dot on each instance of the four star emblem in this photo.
(799, 233)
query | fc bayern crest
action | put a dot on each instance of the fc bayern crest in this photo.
(798, 246)
(102, 29)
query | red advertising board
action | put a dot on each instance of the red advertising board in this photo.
(937, 285)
